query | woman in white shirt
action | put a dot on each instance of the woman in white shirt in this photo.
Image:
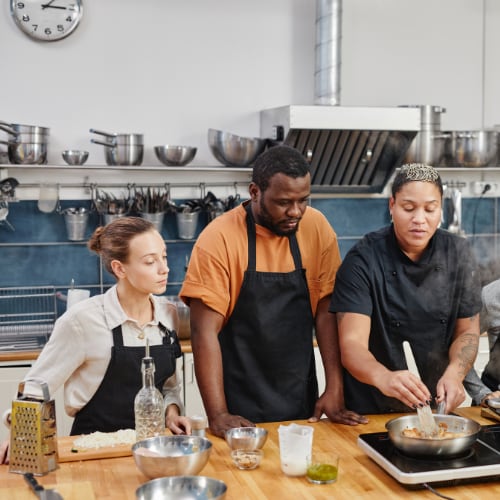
(97, 346)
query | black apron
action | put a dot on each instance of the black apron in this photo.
(267, 349)
(112, 406)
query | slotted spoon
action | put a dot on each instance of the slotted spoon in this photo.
(426, 418)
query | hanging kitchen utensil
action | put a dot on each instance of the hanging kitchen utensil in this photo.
(455, 225)
(8, 187)
(425, 416)
(4, 211)
(48, 198)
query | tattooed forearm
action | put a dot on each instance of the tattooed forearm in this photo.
(469, 343)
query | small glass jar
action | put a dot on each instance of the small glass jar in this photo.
(198, 425)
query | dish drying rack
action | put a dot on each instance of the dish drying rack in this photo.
(27, 317)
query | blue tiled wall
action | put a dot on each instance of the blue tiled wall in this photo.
(38, 251)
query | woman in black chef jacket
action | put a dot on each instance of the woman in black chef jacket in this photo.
(97, 345)
(408, 281)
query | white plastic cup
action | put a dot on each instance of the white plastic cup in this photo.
(295, 448)
(76, 295)
(48, 198)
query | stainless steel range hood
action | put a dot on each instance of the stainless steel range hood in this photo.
(351, 149)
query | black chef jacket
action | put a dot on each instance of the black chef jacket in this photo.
(415, 301)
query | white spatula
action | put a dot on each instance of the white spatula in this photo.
(425, 416)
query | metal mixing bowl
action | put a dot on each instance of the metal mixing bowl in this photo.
(182, 487)
(74, 157)
(175, 156)
(233, 150)
(246, 438)
(433, 447)
(171, 455)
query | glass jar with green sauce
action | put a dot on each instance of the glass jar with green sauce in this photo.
(321, 473)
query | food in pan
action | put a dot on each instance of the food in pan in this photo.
(443, 433)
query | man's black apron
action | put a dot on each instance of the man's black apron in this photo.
(267, 350)
(112, 406)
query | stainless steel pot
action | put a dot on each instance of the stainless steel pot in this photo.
(122, 139)
(428, 147)
(433, 447)
(473, 149)
(122, 154)
(26, 153)
(16, 128)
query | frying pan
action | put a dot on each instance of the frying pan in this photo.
(433, 447)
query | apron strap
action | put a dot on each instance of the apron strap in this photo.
(169, 338)
(252, 243)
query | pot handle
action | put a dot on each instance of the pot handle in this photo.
(99, 132)
(466, 135)
(8, 129)
(107, 144)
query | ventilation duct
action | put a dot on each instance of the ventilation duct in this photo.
(351, 149)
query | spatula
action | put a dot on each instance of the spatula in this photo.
(425, 416)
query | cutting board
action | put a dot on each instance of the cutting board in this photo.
(65, 445)
(489, 413)
(77, 490)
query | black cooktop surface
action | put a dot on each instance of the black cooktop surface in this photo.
(481, 461)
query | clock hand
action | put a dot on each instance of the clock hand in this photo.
(47, 6)
(44, 6)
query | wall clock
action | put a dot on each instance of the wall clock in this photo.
(46, 20)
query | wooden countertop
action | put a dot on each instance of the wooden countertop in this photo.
(359, 476)
(32, 355)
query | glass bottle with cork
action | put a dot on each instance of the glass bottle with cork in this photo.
(149, 406)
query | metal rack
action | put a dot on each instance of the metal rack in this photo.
(27, 317)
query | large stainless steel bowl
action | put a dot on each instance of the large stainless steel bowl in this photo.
(182, 487)
(433, 447)
(233, 150)
(171, 455)
(175, 156)
(246, 438)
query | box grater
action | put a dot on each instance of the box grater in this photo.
(33, 436)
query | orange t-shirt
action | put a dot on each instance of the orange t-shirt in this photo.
(220, 258)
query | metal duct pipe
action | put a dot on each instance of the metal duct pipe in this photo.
(328, 52)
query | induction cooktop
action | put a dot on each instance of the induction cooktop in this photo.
(480, 463)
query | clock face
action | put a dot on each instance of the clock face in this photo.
(46, 20)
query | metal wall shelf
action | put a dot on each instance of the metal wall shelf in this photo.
(140, 168)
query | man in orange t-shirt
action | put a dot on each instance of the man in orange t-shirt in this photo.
(259, 282)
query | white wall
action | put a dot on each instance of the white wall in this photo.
(172, 69)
